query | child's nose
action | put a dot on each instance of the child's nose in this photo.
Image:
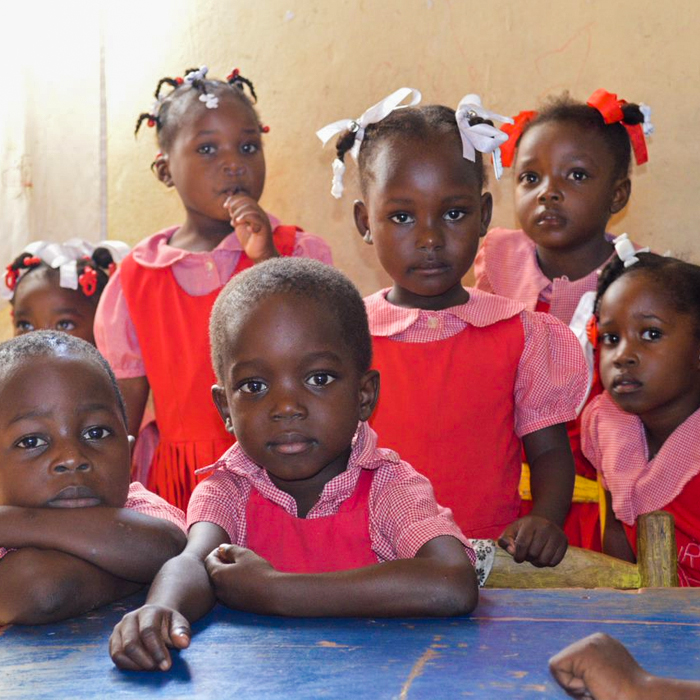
(625, 355)
(549, 192)
(233, 167)
(70, 458)
(430, 238)
(287, 405)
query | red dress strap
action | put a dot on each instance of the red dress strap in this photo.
(173, 333)
(447, 407)
(313, 545)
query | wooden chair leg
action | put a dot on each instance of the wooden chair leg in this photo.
(657, 557)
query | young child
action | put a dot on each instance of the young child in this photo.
(65, 284)
(320, 520)
(74, 533)
(641, 434)
(152, 321)
(599, 667)
(571, 175)
(465, 375)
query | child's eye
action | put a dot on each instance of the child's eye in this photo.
(97, 432)
(254, 386)
(206, 149)
(578, 175)
(528, 178)
(24, 326)
(608, 339)
(320, 379)
(401, 218)
(31, 442)
(652, 334)
(250, 148)
(454, 215)
(65, 325)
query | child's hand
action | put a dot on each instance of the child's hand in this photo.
(141, 639)
(598, 667)
(240, 577)
(252, 226)
(534, 539)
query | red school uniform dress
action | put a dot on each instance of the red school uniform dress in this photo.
(616, 444)
(506, 264)
(461, 386)
(143, 501)
(378, 509)
(153, 321)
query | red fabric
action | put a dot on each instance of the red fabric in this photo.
(305, 546)
(684, 509)
(461, 437)
(173, 333)
(514, 132)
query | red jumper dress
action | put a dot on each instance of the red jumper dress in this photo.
(173, 333)
(447, 407)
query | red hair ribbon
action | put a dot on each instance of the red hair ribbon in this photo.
(88, 281)
(514, 132)
(11, 275)
(31, 261)
(592, 331)
(233, 75)
(179, 81)
(610, 109)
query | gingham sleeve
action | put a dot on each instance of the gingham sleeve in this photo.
(308, 245)
(404, 514)
(144, 501)
(115, 333)
(552, 375)
(481, 280)
(221, 499)
(590, 444)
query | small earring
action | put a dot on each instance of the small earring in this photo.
(367, 238)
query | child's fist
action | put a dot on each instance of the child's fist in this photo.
(534, 539)
(252, 226)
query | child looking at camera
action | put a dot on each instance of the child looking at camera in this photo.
(152, 321)
(74, 534)
(466, 376)
(305, 515)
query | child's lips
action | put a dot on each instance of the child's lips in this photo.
(430, 268)
(625, 385)
(550, 218)
(75, 497)
(291, 444)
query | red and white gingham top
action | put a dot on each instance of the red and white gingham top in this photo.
(143, 501)
(197, 273)
(551, 377)
(616, 445)
(506, 264)
(403, 513)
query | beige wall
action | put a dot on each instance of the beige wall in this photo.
(314, 62)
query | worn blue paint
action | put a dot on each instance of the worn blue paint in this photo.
(499, 652)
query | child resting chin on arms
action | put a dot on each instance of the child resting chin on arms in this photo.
(75, 534)
(305, 515)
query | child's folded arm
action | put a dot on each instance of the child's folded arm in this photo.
(439, 581)
(181, 593)
(120, 541)
(40, 586)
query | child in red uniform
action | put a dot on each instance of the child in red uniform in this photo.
(465, 375)
(74, 533)
(320, 520)
(641, 434)
(571, 175)
(152, 321)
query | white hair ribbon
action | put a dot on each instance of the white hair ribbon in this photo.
(647, 126)
(480, 137)
(374, 114)
(196, 75)
(64, 257)
(626, 251)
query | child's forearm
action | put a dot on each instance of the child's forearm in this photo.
(615, 542)
(438, 581)
(552, 472)
(41, 586)
(124, 543)
(656, 688)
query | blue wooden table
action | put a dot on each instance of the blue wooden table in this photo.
(499, 652)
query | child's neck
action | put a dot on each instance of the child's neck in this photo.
(659, 426)
(574, 263)
(200, 234)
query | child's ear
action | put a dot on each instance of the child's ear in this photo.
(369, 393)
(218, 393)
(162, 170)
(362, 220)
(486, 211)
(621, 195)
